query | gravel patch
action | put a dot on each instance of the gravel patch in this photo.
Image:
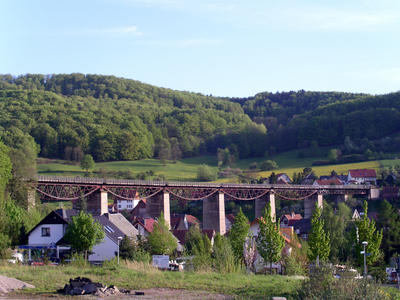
(11, 284)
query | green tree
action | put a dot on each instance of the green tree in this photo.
(318, 239)
(389, 222)
(83, 232)
(366, 232)
(238, 233)
(270, 242)
(81, 204)
(268, 165)
(336, 225)
(160, 239)
(5, 168)
(273, 179)
(87, 163)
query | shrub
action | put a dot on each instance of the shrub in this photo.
(206, 173)
(323, 285)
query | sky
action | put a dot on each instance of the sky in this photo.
(221, 47)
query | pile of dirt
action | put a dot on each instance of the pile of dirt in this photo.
(8, 284)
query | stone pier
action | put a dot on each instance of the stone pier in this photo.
(309, 205)
(261, 202)
(97, 203)
(157, 204)
(214, 213)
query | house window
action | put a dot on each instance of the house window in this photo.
(304, 236)
(45, 231)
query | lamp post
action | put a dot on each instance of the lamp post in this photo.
(365, 259)
(119, 239)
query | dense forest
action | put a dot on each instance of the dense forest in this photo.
(114, 118)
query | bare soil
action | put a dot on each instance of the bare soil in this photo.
(156, 294)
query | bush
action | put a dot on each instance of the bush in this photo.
(268, 165)
(206, 173)
(323, 285)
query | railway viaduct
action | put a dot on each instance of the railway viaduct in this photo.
(213, 195)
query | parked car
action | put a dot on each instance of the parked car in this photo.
(16, 257)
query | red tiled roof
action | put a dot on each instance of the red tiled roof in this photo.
(363, 173)
(329, 182)
(390, 189)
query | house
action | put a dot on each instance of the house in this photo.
(126, 204)
(49, 235)
(309, 179)
(390, 192)
(144, 226)
(289, 220)
(139, 211)
(302, 228)
(282, 181)
(184, 222)
(391, 178)
(363, 176)
(229, 220)
(181, 235)
(284, 177)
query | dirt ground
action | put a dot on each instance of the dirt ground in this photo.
(157, 294)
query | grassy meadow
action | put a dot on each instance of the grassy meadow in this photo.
(139, 276)
(186, 169)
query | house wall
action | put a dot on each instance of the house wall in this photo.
(105, 251)
(56, 233)
(127, 204)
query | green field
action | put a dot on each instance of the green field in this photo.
(137, 276)
(186, 169)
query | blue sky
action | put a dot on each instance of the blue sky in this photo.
(225, 48)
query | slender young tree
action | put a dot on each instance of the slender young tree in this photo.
(83, 232)
(366, 232)
(238, 233)
(87, 163)
(160, 239)
(318, 239)
(270, 242)
(389, 223)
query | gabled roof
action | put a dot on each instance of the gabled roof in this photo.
(111, 230)
(282, 181)
(362, 173)
(147, 224)
(123, 224)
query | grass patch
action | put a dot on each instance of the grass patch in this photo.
(139, 276)
(186, 169)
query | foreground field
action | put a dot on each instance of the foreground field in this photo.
(48, 279)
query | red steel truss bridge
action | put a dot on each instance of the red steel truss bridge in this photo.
(67, 188)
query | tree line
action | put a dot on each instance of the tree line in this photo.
(114, 118)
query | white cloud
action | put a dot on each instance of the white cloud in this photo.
(110, 32)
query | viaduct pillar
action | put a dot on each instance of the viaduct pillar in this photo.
(97, 202)
(31, 198)
(261, 202)
(309, 205)
(157, 204)
(214, 213)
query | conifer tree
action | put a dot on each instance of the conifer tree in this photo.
(318, 239)
(270, 242)
(238, 233)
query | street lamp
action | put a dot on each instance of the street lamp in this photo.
(119, 239)
(365, 259)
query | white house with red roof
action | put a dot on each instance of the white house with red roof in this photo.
(362, 176)
(144, 226)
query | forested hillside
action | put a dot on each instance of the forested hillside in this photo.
(121, 119)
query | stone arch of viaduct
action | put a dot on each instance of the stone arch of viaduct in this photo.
(158, 195)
